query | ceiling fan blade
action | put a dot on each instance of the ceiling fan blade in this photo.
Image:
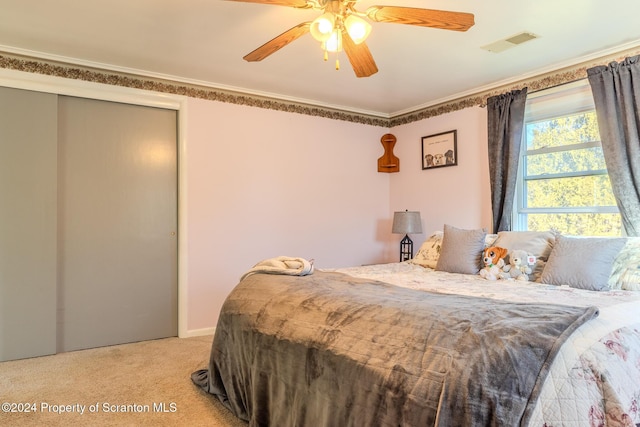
(456, 21)
(292, 3)
(278, 42)
(359, 56)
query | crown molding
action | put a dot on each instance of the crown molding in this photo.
(94, 74)
(100, 73)
(540, 80)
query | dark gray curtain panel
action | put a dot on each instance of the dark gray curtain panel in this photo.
(616, 92)
(505, 122)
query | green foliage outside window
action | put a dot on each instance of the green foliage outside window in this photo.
(566, 186)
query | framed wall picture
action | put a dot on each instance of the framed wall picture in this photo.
(440, 150)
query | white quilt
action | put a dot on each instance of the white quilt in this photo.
(594, 380)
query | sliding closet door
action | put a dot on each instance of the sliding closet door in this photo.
(117, 211)
(27, 223)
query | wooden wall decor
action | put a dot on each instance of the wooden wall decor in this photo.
(388, 162)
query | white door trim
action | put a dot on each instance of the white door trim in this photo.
(62, 86)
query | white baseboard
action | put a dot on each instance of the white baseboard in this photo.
(198, 332)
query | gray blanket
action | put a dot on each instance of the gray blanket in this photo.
(332, 350)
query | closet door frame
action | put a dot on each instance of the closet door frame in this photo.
(29, 215)
(60, 86)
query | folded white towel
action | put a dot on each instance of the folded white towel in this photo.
(291, 266)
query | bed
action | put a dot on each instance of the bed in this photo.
(411, 343)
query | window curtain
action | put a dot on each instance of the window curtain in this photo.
(505, 115)
(616, 93)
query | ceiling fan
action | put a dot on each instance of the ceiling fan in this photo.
(341, 26)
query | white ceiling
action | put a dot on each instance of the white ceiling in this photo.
(203, 41)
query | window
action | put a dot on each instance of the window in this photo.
(563, 182)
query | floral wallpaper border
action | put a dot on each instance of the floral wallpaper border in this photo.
(537, 83)
(72, 71)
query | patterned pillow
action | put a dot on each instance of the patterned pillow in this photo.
(626, 267)
(429, 252)
(489, 240)
(630, 279)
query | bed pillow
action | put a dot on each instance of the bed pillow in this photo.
(582, 262)
(461, 250)
(626, 267)
(536, 243)
(489, 239)
(630, 279)
(429, 252)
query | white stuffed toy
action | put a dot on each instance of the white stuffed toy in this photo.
(518, 267)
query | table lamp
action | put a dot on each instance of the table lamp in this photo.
(406, 223)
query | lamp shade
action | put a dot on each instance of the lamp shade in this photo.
(322, 27)
(334, 43)
(357, 28)
(407, 223)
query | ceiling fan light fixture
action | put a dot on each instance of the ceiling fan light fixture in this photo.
(334, 42)
(341, 26)
(358, 28)
(322, 27)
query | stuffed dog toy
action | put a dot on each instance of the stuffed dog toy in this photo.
(493, 258)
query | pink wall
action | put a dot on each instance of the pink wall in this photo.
(264, 183)
(258, 183)
(457, 195)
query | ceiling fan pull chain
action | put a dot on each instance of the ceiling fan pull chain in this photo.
(337, 62)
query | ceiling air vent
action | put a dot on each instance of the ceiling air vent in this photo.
(508, 43)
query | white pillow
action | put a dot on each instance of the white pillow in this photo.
(536, 243)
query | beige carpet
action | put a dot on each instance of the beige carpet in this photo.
(150, 377)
